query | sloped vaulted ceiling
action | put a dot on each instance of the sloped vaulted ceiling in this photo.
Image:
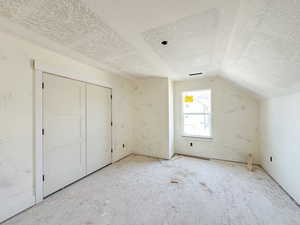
(264, 51)
(255, 43)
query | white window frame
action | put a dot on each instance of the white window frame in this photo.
(211, 115)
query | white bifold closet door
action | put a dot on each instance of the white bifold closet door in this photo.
(64, 137)
(98, 127)
(77, 136)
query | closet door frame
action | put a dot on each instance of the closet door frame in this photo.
(39, 68)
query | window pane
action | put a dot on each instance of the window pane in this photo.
(197, 125)
(197, 101)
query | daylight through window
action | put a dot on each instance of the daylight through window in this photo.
(197, 113)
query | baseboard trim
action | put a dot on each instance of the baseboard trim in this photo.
(285, 191)
(29, 203)
(207, 158)
(150, 156)
(232, 161)
(191, 156)
(124, 157)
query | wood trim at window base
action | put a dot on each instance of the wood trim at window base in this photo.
(198, 137)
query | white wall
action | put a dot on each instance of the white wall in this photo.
(171, 119)
(16, 116)
(152, 117)
(280, 138)
(235, 121)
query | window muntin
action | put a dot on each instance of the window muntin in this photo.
(197, 113)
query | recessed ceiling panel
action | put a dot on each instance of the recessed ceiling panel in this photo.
(191, 41)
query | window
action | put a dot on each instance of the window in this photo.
(197, 113)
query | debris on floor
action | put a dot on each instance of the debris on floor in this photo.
(205, 187)
(190, 191)
(174, 182)
(175, 157)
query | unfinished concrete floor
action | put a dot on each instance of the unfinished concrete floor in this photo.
(185, 191)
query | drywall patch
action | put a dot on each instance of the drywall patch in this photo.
(9, 8)
(5, 100)
(3, 57)
(191, 41)
(240, 137)
(5, 183)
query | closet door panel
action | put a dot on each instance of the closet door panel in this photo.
(64, 135)
(98, 127)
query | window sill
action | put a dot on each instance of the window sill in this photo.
(198, 137)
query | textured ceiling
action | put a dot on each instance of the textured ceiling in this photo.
(71, 23)
(191, 42)
(265, 47)
(255, 43)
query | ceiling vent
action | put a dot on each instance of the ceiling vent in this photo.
(195, 74)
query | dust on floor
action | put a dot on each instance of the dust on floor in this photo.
(187, 191)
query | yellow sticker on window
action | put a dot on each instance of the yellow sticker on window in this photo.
(188, 99)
